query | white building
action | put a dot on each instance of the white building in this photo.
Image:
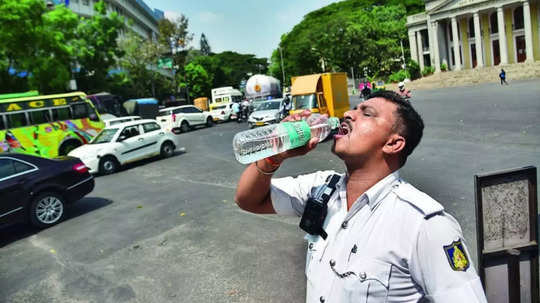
(475, 33)
(145, 20)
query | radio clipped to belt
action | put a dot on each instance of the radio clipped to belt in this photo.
(317, 208)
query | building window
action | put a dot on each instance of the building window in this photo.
(518, 18)
(450, 32)
(86, 2)
(471, 27)
(494, 25)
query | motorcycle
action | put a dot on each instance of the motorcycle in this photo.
(243, 114)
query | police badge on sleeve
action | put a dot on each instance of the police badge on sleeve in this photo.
(457, 257)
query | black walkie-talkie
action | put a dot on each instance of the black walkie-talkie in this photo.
(317, 208)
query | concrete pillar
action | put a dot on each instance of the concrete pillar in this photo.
(478, 41)
(420, 50)
(455, 37)
(502, 35)
(413, 45)
(528, 31)
(434, 48)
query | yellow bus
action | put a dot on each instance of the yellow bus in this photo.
(47, 125)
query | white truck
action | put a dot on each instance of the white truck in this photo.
(225, 95)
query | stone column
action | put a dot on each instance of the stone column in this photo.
(502, 35)
(528, 31)
(413, 45)
(455, 37)
(435, 46)
(420, 50)
(478, 41)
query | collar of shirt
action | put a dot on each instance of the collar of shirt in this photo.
(371, 197)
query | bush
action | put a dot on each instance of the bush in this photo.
(414, 70)
(444, 67)
(399, 76)
(428, 70)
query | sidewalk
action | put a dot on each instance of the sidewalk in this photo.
(469, 77)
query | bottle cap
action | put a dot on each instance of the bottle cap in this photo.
(333, 122)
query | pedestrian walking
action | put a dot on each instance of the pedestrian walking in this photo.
(502, 75)
(372, 236)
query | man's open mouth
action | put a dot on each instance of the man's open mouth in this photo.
(344, 128)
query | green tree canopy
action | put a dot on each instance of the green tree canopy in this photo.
(37, 46)
(227, 68)
(139, 65)
(364, 34)
(97, 48)
(196, 79)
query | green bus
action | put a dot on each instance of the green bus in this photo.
(46, 125)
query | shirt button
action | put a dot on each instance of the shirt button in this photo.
(363, 276)
(332, 263)
(310, 245)
(322, 299)
(344, 224)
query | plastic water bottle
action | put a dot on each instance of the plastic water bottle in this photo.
(259, 143)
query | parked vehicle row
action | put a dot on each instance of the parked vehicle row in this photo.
(37, 190)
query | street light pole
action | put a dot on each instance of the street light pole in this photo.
(402, 54)
(173, 52)
(282, 68)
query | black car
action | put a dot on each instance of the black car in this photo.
(37, 190)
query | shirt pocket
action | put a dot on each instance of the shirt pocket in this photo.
(370, 281)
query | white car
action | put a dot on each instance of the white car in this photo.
(114, 121)
(123, 143)
(182, 118)
(267, 112)
(223, 112)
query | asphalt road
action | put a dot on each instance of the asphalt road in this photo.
(169, 231)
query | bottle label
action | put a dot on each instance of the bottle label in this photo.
(299, 133)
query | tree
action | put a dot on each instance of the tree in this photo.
(236, 67)
(175, 34)
(36, 49)
(97, 48)
(196, 79)
(205, 47)
(227, 68)
(364, 34)
(139, 64)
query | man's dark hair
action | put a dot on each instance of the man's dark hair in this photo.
(408, 123)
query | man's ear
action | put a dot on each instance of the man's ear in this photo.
(394, 145)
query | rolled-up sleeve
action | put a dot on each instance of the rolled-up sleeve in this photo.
(442, 265)
(289, 194)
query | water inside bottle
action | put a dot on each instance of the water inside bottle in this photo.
(259, 143)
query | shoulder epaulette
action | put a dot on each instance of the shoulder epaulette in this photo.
(421, 201)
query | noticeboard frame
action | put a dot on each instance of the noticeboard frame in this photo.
(511, 255)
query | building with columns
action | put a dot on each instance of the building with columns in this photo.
(465, 34)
